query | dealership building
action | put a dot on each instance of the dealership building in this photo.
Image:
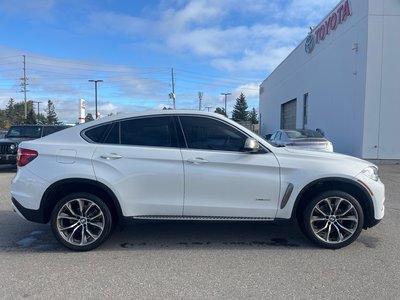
(344, 78)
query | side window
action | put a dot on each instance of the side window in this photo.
(207, 133)
(98, 133)
(51, 129)
(112, 137)
(150, 131)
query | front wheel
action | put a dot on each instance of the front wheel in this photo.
(333, 219)
(81, 221)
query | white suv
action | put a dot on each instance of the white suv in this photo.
(187, 165)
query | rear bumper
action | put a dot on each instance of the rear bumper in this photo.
(28, 214)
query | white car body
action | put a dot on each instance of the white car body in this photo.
(182, 183)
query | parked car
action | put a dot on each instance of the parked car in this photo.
(187, 165)
(18, 133)
(301, 138)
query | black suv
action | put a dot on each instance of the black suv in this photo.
(18, 133)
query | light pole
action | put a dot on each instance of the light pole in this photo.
(95, 92)
(38, 102)
(226, 95)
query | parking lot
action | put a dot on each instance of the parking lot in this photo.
(158, 260)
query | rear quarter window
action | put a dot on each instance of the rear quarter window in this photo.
(97, 134)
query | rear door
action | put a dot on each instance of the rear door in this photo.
(141, 161)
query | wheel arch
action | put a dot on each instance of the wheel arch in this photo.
(336, 183)
(62, 188)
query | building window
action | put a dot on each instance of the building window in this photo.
(288, 114)
(305, 110)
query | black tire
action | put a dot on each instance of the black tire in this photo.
(332, 219)
(81, 221)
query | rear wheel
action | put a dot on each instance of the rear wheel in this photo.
(81, 221)
(333, 219)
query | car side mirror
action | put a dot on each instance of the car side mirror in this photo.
(251, 145)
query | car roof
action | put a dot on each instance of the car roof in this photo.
(77, 130)
(39, 125)
(128, 115)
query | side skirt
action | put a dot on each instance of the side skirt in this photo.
(199, 218)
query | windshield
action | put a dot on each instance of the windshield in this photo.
(25, 132)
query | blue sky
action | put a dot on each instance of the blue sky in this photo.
(214, 46)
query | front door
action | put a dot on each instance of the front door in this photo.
(221, 179)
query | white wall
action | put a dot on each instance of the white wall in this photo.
(348, 97)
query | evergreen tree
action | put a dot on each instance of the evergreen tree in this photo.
(240, 112)
(253, 117)
(19, 112)
(89, 117)
(31, 117)
(41, 119)
(10, 112)
(220, 111)
(52, 118)
(3, 119)
(15, 112)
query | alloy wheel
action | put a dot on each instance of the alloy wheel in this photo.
(80, 222)
(334, 220)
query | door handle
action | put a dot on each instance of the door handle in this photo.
(111, 156)
(197, 161)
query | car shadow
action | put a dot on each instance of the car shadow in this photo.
(187, 234)
(22, 235)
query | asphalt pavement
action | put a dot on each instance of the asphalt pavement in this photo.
(188, 260)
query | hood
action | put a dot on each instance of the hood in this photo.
(326, 163)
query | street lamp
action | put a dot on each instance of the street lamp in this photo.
(95, 92)
(38, 102)
(226, 95)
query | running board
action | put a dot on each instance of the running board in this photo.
(200, 218)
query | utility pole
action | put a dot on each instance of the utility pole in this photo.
(200, 98)
(208, 108)
(95, 93)
(24, 88)
(172, 95)
(226, 96)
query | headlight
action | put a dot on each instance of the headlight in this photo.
(371, 172)
(12, 147)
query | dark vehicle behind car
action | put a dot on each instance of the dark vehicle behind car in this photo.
(18, 133)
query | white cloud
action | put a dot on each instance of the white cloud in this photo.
(111, 23)
(310, 11)
(194, 12)
(196, 29)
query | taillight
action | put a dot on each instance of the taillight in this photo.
(25, 156)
